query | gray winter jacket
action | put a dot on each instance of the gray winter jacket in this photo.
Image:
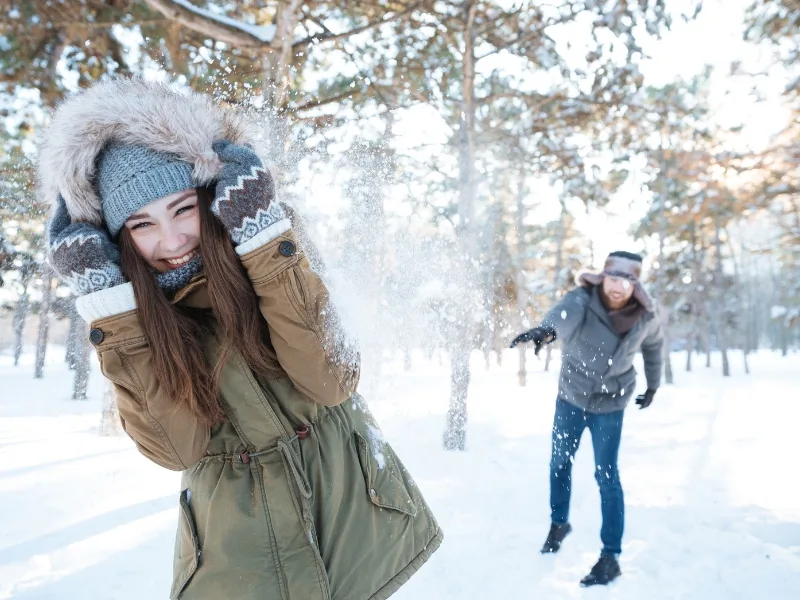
(597, 372)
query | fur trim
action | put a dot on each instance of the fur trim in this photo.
(134, 111)
(588, 279)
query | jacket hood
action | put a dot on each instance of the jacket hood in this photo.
(132, 111)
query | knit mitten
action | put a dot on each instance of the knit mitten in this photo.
(245, 197)
(81, 254)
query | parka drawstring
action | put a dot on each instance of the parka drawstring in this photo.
(293, 461)
(293, 465)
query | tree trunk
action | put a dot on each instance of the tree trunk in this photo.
(720, 316)
(73, 334)
(667, 355)
(20, 316)
(81, 381)
(455, 435)
(723, 349)
(490, 326)
(754, 326)
(44, 320)
(557, 276)
(522, 293)
(661, 276)
(689, 349)
(456, 432)
(744, 298)
(522, 371)
(490, 320)
(695, 341)
(280, 74)
(109, 417)
(69, 351)
(276, 64)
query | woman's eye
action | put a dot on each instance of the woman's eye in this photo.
(141, 225)
(184, 209)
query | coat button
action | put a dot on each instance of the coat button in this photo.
(287, 248)
(96, 336)
(373, 493)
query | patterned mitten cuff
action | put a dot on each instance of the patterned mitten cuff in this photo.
(245, 197)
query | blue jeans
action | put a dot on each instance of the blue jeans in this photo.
(606, 430)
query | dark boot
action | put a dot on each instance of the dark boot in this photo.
(555, 537)
(603, 572)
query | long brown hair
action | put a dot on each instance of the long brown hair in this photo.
(175, 332)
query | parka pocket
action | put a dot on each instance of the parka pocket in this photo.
(384, 488)
(187, 548)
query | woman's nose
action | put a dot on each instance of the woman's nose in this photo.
(172, 239)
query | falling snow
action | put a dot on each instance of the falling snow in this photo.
(377, 444)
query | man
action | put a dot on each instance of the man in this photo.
(602, 324)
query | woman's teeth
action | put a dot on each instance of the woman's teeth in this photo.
(177, 262)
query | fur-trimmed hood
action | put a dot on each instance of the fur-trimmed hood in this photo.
(133, 111)
(619, 264)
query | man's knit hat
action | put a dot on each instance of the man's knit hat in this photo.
(129, 177)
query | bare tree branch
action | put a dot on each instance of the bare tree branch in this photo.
(218, 27)
(329, 36)
(82, 25)
(525, 38)
(243, 35)
(320, 102)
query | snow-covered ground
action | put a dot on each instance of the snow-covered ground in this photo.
(710, 475)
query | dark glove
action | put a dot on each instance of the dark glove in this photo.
(245, 197)
(538, 335)
(81, 254)
(646, 399)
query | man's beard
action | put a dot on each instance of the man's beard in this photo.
(611, 304)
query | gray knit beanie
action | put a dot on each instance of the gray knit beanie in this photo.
(129, 177)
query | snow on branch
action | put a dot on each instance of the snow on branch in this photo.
(219, 27)
(243, 35)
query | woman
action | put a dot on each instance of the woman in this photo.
(224, 352)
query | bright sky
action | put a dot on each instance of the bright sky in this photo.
(714, 38)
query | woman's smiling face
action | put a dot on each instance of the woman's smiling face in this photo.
(166, 232)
